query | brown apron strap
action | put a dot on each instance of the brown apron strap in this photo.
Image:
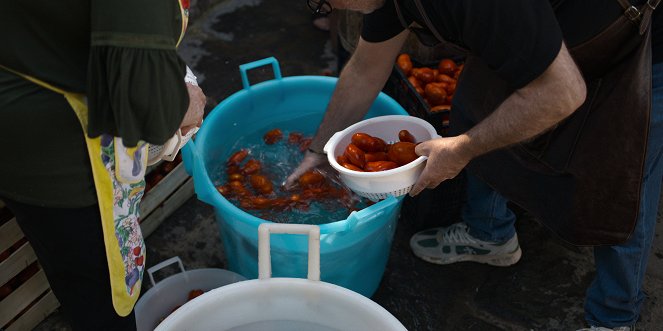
(640, 16)
(400, 14)
(427, 21)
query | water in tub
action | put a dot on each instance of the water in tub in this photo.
(263, 161)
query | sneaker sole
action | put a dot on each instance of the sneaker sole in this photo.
(503, 260)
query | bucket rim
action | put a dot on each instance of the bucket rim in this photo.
(284, 283)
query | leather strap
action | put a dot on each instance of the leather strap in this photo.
(427, 20)
(400, 14)
(642, 15)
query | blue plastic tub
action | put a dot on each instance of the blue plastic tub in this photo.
(353, 251)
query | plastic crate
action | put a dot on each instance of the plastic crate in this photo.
(400, 88)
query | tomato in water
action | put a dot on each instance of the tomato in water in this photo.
(238, 156)
(251, 167)
(272, 136)
(261, 184)
(311, 179)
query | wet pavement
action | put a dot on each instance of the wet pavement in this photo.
(544, 291)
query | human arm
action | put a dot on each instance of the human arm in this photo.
(197, 100)
(136, 87)
(358, 85)
(529, 111)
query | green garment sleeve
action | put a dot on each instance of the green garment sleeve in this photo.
(135, 82)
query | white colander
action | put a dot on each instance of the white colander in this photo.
(169, 150)
(381, 184)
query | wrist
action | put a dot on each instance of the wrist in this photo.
(314, 151)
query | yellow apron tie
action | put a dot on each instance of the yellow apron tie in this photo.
(119, 174)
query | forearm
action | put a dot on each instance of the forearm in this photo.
(531, 110)
(346, 106)
(358, 85)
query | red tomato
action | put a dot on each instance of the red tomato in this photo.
(355, 155)
(404, 63)
(402, 153)
(436, 94)
(238, 177)
(377, 156)
(362, 140)
(377, 145)
(351, 166)
(380, 165)
(251, 167)
(239, 189)
(425, 75)
(294, 138)
(225, 190)
(406, 136)
(261, 184)
(445, 78)
(311, 179)
(414, 81)
(256, 203)
(342, 159)
(233, 169)
(238, 156)
(447, 66)
(272, 136)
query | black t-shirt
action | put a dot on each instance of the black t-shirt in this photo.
(516, 38)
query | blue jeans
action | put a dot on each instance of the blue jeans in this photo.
(615, 296)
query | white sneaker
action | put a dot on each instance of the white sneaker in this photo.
(454, 244)
(600, 328)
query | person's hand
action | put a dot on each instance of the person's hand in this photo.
(194, 115)
(446, 159)
(310, 161)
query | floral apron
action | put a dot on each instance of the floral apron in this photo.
(119, 178)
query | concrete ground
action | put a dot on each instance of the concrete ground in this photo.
(544, 291)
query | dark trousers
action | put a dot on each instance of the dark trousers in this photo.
(70, 248)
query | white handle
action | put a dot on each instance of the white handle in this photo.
(264, 253)
(162, 265)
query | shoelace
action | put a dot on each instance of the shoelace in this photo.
(600, 328)
(457, 233)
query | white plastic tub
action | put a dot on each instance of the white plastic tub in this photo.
(282, 304)
(164, 296)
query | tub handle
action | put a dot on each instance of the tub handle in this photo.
(264, 253)
(255, 64)
(370, 213)
(163, 264)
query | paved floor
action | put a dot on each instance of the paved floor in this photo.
(544, 291)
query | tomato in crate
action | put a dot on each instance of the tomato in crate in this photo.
(425, 90)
